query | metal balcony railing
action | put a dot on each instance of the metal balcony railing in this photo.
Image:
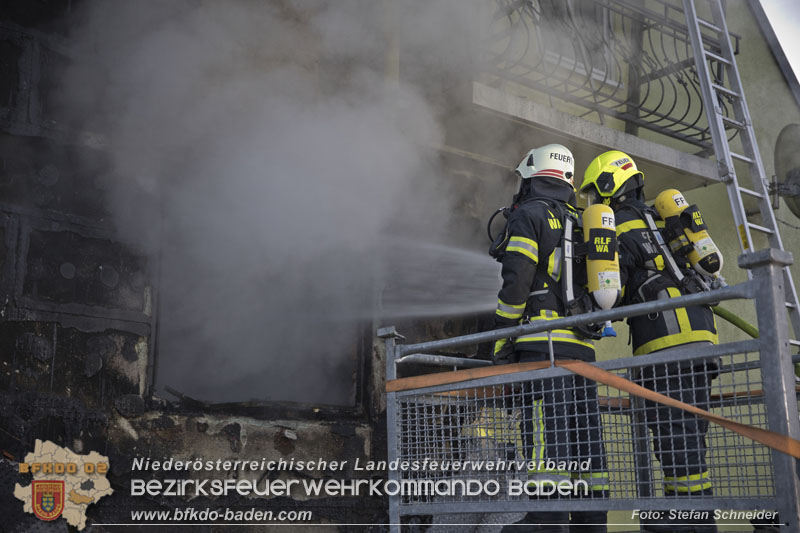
(476, 427)
(624, 59)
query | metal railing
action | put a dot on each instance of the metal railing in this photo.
(487, 431)
(627, 60)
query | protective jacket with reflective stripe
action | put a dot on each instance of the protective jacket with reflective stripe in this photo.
(532, 271)
(645, 278)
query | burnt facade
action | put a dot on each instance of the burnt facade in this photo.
(78, 317)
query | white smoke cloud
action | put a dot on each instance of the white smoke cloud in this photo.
(259, 149)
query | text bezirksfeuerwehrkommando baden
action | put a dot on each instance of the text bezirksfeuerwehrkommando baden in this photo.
(357, 487)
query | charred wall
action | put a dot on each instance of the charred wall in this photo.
(77, 304)
(78, 316)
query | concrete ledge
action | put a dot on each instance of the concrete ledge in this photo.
(663, 167)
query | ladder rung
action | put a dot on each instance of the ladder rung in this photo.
(762, 229)
(751, 192)
(790, 305)
(725, 90)
(715, 57)
(793, 342)
(733, 122)
(709, 25)
(741, 157)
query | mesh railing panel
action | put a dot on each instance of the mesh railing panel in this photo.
(517, 439)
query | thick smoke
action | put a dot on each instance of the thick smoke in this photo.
(263, 159)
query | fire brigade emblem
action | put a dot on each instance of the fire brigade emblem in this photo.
(64, 483)
(48, 499)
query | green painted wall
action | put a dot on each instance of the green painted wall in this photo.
(772, 107)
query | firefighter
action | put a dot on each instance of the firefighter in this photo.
(649, 272)
(561, 420)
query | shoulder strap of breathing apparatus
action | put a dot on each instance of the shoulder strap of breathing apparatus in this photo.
(688, 281)
(575, 297)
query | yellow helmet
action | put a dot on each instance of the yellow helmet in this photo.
(610, 175)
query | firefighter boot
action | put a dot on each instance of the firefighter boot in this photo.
(540, 522)
(588, 522)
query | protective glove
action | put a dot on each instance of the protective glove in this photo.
(503, 352)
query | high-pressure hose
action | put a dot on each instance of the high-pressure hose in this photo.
(491, 219)
(498, 247)
(736, 320)
(743, 325)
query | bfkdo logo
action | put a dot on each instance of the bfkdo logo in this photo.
(48, 499)
(64, 483)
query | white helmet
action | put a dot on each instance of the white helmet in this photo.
(551, 161)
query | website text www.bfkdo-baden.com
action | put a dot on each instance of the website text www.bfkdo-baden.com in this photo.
(208, 514)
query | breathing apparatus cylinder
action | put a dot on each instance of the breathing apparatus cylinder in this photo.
(602, 258)
(688, 234)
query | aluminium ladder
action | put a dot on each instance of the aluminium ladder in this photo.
(713, 90)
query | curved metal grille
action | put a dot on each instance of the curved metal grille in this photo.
(617, 58)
